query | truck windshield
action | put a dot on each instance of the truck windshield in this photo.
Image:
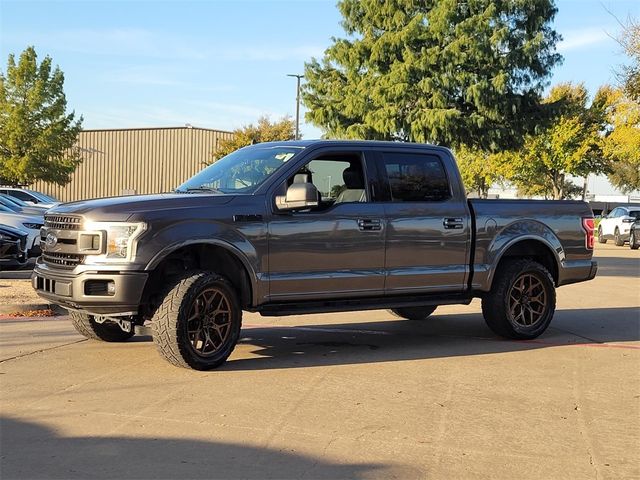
(241, 171)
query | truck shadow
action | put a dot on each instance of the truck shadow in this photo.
(34, 451)
(618, 266)
(438, 337)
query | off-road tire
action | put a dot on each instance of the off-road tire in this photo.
(601, 238)
(495, 305)
(86, 326)
(617, 238)
(414, 313)
(634, 242)
(170, 322)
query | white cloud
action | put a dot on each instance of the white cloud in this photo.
(137, 42)
(269, 53)
(220, 115)
(162, 75)
(577, 39)
(128, 42)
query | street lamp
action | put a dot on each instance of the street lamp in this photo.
(298, 77)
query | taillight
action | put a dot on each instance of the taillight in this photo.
(588, 225)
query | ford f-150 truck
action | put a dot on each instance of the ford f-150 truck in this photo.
(307, 226)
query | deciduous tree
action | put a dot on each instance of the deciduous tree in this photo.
(622, 143)
(37, 135)
(630, 40)
(264, 131)
(480, 170)
(570, 146)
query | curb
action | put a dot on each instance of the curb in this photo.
(26, 307)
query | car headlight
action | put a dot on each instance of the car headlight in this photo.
(33, 226)
(120, 239)
(4, 237)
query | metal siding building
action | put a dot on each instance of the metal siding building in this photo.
(136, 161)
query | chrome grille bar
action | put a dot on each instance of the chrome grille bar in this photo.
(62, 222)
(62, 259)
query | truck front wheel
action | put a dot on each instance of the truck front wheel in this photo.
(86, 326)
(522, 300)
(414, 313)
(198, 323)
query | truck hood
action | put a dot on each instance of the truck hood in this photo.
(123, 208)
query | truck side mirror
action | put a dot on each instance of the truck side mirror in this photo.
(299, 196)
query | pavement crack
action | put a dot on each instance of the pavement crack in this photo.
(592, 340)
(41, 350)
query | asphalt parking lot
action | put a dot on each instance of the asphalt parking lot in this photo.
(358, 395)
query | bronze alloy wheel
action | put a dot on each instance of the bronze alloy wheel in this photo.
(209, 322)
(527, 301)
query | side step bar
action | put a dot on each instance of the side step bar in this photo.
(277, 309)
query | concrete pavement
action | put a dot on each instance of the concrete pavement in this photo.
(358, 395)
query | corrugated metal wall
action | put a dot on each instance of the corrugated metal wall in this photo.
(146, 160)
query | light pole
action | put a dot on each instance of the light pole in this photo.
(298, 77)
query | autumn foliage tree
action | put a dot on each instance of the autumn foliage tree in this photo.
(630, 41)
(37, 135)
(263, 131)
(479, 169)
(571, 145)
(621, 146)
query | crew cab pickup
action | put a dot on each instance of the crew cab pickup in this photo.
(307, 226)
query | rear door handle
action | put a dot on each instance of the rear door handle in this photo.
(453, 223)
(369, 224)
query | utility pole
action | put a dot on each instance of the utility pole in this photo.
(298, 77)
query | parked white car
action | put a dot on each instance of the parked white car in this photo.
(29, 223)
(30, 196)
(617, 224)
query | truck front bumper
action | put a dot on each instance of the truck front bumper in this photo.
(101, 293)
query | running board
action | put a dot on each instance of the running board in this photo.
(278, 309)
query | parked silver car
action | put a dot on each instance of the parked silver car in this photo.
(29, 223)
(30, 196)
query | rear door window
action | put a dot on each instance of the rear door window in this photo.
(415, 177)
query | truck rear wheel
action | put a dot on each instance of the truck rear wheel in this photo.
(414, 313)
(86, 326)
(522, 300)
(198, 323)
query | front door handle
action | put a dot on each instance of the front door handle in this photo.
(369, 224)
(453, 223)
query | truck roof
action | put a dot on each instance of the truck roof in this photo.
(362, 143)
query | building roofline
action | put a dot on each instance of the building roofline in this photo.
(152, 128)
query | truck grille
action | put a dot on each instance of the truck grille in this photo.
(68, 260)
(62, 222)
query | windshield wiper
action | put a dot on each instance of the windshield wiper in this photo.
(201, 189)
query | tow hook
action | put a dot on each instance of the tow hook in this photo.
(123, 322)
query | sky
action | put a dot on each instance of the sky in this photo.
(222, 64)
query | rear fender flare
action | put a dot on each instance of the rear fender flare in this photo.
(521, 231)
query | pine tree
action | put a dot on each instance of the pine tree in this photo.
(445, 71)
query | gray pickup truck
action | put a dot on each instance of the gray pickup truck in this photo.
(306, 227)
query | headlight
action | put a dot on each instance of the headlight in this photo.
(121, 237)
(4, 237)
(33, 226)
